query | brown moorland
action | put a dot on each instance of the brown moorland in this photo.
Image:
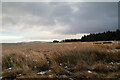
(70, 60)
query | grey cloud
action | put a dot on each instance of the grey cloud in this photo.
(93, 17)
(90, 17)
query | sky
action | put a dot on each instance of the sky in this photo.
(60, 0)
(46, 21)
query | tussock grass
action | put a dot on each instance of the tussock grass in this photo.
(84, 75)
(61, 60)
(100, 67)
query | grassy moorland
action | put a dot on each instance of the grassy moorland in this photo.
(61, 60)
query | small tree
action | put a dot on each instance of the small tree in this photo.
(55, 41)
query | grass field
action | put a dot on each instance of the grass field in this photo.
(61, 60)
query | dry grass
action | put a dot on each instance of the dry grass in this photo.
(61, 60)
(100, 67)
(84, 74)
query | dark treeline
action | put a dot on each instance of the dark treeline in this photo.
(105, 36)
(71, 40)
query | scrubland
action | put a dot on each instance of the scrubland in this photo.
(70, 61)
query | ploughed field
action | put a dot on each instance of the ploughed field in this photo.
(72, 60)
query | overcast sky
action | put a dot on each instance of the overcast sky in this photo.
(30, 21)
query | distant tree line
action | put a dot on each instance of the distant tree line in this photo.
(55, 41)
(105, 36)
(71, 40)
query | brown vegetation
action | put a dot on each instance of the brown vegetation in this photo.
(61, 60)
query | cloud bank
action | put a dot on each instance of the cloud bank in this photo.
(53, 20)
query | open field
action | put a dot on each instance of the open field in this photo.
(61, 60)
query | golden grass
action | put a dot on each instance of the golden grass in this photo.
(61, 60)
